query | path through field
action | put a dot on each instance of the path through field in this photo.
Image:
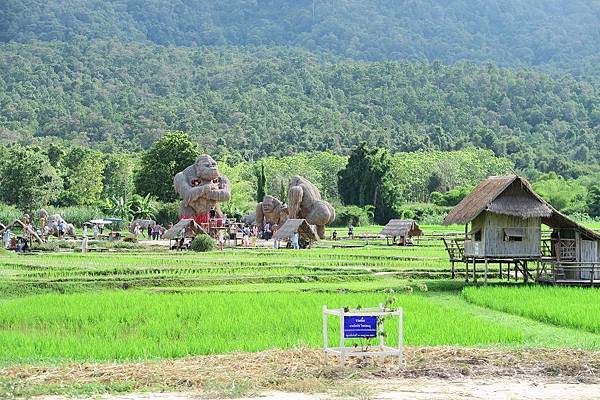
(414, 389)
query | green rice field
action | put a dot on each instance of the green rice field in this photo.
(150, 303)
(572, 307)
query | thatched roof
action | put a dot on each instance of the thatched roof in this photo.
(507, 195)
(401, 227)
(559, 220)
(185, 228)
(511, 195)
(25, 228)
(286, 231)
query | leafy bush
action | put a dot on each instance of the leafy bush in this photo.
(424, 213)
(9, 213)
(451, 197)
(166, 213)
(203, 243)
(357, 216)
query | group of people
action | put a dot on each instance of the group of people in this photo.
(153, 232)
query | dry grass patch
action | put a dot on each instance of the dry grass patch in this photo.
(247, 374)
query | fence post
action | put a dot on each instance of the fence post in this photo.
(342, 342)
(400, 335)
(325, 340)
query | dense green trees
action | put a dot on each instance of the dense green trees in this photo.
(170, 154)
(244, 104)
(27, 180)
(366, 181)
(548, 33)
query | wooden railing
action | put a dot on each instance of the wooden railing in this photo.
(569, 272)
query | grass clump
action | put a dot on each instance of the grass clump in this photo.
(203, 243)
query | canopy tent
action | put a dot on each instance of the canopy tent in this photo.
(100, 222)
(185, 228)
(287, 230)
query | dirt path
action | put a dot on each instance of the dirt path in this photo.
(429, 373)
(412, 389)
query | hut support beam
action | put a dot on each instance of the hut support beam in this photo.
(466, 270)
(485, 273)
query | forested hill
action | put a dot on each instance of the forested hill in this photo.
(563, 34)
(253, 102)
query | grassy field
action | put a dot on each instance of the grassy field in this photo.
(132, 325)
(140, 303)
(563, 306)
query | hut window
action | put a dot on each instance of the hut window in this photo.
(514, 234)
(476, 235)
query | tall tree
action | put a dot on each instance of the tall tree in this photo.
(83, 171)
(261, 182)
(366, 181)
(170, 154)
(27, 180)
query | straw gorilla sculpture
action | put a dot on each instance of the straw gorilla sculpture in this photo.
(304, 201)
(201, 188)
(271, 210)
(51, 223)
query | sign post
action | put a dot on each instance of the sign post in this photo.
(362, 324)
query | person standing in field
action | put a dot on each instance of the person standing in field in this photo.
(84, 241)
(156, 232)
(295, 241)
(61, 230)
(221, 239)
(149, 230)
(95, 231)
(137, 230)
(351, 231)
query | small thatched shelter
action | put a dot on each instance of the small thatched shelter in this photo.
(305, 232)
(185, 228)
(403, 229)
(505, 217)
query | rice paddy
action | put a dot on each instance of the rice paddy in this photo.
(150, 303)
(122, 325)
(572, 307)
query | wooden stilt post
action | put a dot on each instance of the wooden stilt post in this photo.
(516, 270)
(500, 270)
(453, 274)
(485, 272)
(466, 269)
(525, 273)
(474, 270)
(508, 271)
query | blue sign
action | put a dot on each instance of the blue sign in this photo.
(360, 327)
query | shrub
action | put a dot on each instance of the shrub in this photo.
(9, 213)
(357, 216)
(203, 243)
(166, 213)
(424, 213)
